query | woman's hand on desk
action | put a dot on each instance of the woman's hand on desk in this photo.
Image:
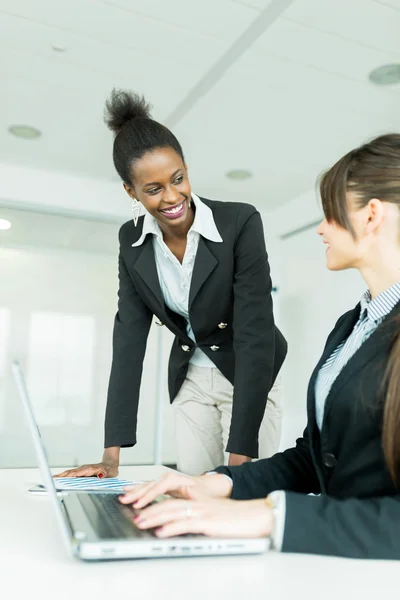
(102, 469)
(108, 467)
(178, 486)
(216, 518)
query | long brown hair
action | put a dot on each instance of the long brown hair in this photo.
(372, 171)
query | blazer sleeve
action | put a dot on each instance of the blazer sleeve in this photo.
(353, 528)
(253, 337)
(292, 469)
(131, 329)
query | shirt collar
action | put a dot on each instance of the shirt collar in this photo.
(203, 224)
(382, 304)
(149, 226)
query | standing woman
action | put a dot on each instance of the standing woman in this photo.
(201, 268)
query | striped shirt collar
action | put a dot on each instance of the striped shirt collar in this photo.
(382, 304)
(203, 224)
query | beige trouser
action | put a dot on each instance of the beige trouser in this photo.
(203, 410)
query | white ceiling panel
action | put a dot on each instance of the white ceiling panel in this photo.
(325, 51)
(74, 137)
(106, 57)
(375, 25)
(219, 19)
(67, 93)
(102, 22)
(257, 4)
(274, 81)
(268, 116)
(391, 3)
(91, 66)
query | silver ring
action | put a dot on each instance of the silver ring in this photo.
(188, 511)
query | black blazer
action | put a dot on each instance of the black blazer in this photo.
(230, 285)
(357, 513)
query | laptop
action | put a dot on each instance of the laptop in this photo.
(96, 526)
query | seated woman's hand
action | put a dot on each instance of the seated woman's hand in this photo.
(179, 486)
(211, 517)
(102, 469)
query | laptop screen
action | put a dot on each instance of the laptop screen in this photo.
(40, 452)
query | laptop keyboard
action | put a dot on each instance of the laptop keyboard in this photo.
(109, 518)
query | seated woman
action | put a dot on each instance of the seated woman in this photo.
(349, 454)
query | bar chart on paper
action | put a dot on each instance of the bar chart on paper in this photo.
(88, 484)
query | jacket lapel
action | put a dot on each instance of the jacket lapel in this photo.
(340, 333)
(145, 266)
(377, 343)
(204, 265)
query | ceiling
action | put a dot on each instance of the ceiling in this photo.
(279, 87)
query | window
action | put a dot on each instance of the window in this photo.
(60, 371)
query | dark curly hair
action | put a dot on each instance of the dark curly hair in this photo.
(128, 115)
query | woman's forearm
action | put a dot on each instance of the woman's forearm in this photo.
(111, 455)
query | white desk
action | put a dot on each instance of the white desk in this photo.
(33, 564)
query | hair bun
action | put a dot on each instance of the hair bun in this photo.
(123, 106)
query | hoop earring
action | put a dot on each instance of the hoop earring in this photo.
(135, 211)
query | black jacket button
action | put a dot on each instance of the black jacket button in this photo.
(329, 460)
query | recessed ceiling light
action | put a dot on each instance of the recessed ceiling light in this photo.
(59, 47)
(25, 131)
(239, 174)
(386, 74)
(5, 224)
